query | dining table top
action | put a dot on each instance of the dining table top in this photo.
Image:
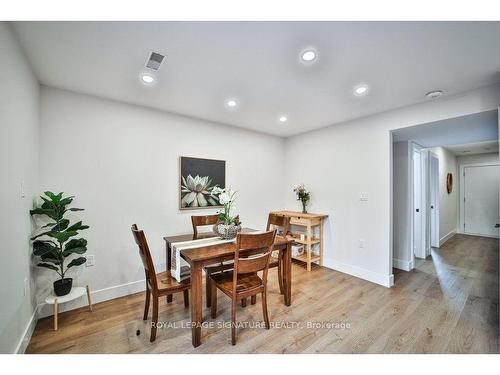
(214, 250)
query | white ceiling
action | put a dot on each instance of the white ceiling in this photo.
(478, 127)
(474, 148)
(258, 64)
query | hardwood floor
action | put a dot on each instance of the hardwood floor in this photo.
(449, 304)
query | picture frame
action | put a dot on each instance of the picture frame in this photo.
(196, 174)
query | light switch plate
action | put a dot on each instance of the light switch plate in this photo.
(23, 193)
(26, 286)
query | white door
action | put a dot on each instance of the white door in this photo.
(434, 200)
(481, 199)
(418, 223)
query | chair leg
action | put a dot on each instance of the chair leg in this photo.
(280, 276)
(186, 298)
(243, 302)
(208, 289)
(233, 321)
(253, 299)
(213, 302)
(264, 309)
(154, 320)
(146, 306)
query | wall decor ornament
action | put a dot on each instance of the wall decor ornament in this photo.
(449, 183)
(197, 178)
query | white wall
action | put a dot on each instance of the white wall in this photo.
(19, 132)
(338, 162)
(121, 162)
(402, 246)
(448, 203)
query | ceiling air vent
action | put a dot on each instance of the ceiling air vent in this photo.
(155, 60)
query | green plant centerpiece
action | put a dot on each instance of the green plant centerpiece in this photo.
(302, 195)
(53, 246)
(228, 226)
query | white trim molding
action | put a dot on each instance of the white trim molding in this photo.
(404, 265)
(446, 237)
(362, 273)
(28, 332)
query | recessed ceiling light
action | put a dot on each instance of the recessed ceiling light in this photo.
(361, 89)
(147, 78)
(231, 103)
(434, 94)
(283, 119)
(308, 55)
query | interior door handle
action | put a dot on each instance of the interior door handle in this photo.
(432, 206)
(418, 210)
(497, 225)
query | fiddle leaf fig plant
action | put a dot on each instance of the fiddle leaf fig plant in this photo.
(54, 244)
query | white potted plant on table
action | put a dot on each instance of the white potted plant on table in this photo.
(228, 226)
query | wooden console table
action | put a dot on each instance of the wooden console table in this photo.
(309, 222)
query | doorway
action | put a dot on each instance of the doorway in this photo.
(479, 199)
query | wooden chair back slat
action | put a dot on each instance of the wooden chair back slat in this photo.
(199, 221)
(282, 222)
(260, 244)
(147, 260)
(253, 264)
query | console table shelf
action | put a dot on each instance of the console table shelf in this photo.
(309, 222)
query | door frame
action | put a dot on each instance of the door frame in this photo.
(462, 194)
(424, 167)
(433, 155)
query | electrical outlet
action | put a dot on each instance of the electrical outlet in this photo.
(90, 261)
(26, 286)
(361, 243)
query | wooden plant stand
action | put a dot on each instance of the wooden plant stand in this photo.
(76, 292)
(309, 222)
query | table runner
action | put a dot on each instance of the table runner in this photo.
(180, 268)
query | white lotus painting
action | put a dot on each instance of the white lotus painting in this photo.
(198, 177)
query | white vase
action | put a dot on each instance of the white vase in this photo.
(227, 231)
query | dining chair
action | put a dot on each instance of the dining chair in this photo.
(283, 223)
(200, 221)
(158, 285)
(243, 281)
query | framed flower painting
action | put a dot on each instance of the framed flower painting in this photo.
(198, 177)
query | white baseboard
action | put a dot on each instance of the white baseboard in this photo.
(404, 265)
(28, 331)
(97, 296)
(117, 291)
(362, 273)
(478, 235)
(445, 238)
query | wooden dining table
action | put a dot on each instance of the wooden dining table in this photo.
(214, 254)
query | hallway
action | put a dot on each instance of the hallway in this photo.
(460, 283)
